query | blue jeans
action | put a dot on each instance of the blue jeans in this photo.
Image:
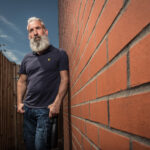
(37, 128)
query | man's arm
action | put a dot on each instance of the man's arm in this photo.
(55, 107)
(21, 89)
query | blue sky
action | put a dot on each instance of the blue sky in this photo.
(13, 21)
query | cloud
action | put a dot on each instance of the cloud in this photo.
(10, 24)
(17, 52)
(14, 55)
(3, 36)
(10, 55)
(8, 38)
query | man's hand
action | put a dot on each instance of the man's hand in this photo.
(20, 108)
(53, 110)
(55, 106)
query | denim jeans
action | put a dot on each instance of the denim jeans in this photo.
(37, 128)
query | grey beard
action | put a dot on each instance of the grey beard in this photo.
(39, 45)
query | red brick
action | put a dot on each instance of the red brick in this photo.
(86, 55)
(78, 58)
(92, 132)
(82, 38)
(73, 146)
(66, 135)
(81, 81)
(85, 74)
(74, 78)
(72, 91)
(81, 62)
(132, 21)
(98, 60)
(71, 58)
(77, 99)
(76, 87)
(75, 11)
(108, 15)
(80, 66)
(86, 13)
(86, 144)
(140, 62)
(131, 114)
(76, 145)
(76, 111)
(74, 36)
(86, 94)
(113, 141)
(84, 109)
(89, 92)
(98, 112)
(82, 27)
(97, 7)
(139, 146)
(77, 135)
(94, 148)
(65, 117)
(79, 37)
(84, 77)
(80, 124)
(82, 10)
(74, 121)
(113, 79)
(80, 46)
(75, 58)
(83, 43)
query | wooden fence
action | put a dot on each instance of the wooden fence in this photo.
(10, 120)
(11, 132)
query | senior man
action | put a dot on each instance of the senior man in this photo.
(41, 86)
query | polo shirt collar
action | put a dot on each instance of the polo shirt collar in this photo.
(46, 51)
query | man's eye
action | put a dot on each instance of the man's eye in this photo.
(38, 28)
(31, 30)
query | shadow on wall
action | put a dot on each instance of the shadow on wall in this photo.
(69, 117)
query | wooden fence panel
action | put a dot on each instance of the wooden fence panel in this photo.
(10, 121)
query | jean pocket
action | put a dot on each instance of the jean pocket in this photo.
(25, 108)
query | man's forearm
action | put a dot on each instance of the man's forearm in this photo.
(62, 91)
(55, 106)
(21, 89)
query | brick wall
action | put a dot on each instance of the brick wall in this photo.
(108, 104)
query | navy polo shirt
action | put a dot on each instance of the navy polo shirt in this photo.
(43, 76)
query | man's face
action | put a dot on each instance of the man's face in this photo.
(38, 36)
(36, 30)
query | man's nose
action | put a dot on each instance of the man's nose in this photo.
(35, 32)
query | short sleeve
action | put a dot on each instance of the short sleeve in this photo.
(22, 67)
(63, 62)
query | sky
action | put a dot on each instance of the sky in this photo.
(13, 25)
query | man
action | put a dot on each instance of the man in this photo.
(41, 86)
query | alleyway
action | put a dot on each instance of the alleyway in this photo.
(108, 102)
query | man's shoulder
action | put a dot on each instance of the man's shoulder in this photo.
(28, 55)
(58, 50)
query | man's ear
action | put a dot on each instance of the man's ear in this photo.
(46, 32)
